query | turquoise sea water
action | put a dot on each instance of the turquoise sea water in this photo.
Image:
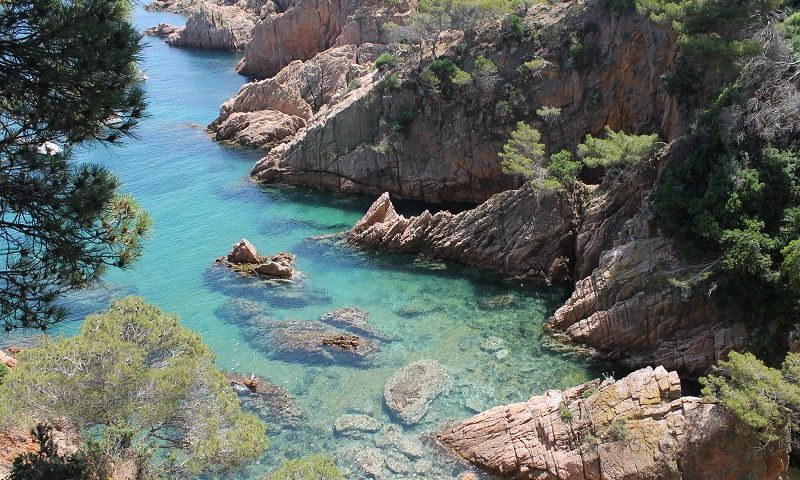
(202, 201)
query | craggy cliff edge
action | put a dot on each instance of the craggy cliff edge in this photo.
(636, 427)
(373, 136)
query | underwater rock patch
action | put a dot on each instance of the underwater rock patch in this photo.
(352, 319)
(272, 403)
(410, 391)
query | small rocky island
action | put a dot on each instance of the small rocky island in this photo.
(244, 259)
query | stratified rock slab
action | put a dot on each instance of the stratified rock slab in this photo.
(635, 428)
(410, 391)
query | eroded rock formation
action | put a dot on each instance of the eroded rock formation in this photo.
(308, 27)
(215, 26)
(526, 233)
(629, 311)
(447, 150)
(638, 427)
(245, 259)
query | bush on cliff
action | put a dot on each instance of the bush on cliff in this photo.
(134, 373)
(616, 149)
(764, 399)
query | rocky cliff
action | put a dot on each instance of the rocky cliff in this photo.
(308, 27)
(440, 146)
(214, 26)
(628, 304)
(637, 427)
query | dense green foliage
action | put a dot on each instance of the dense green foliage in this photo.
(714, 31)
(764, 399)
(135, 371)
(616, 149)
(310, 467)
(733, 203)
(524, 154)
(385, 59)
(68, 75)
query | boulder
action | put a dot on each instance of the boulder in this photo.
(244, 252)
(410, 391)
(638, 427)
(271, 402)
(281, 268)
(312, 341)
(163, 30)
(7, 360)
(351, 425)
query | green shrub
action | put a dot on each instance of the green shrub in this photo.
(484, 66)
(523, 154)
(618, 431)
(392, 83)
(3, 372)
(514, 29)
(532, 68)
(504, 108)
(562, 172)
(616, 149)
(762, 398)
(462, 79)
(385, 59)
(144, 376)
(549, 114)
(352, 85)
(564, 412)
(310, 467)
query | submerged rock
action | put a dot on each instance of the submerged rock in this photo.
(312, 341)
(638, 427)
(352, 319)
(410, 391)
(272, 403)
(355, 425)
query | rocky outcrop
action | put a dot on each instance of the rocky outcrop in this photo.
(270, 112)
(353, 320)
(630, 311)
(15, 441)
(308, 27)
(245, 259)
(638, 427)
(271, 402)
(215, 26)
(525, 233)
(163, 30)
(443, 147)
(410, 391)
(7, 360)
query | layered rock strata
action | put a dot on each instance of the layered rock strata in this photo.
(309, 27)
(630, 312)
(447, 150)
(525, 233)
(638, 427)
(215, 26)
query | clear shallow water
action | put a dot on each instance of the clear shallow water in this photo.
(202, 201)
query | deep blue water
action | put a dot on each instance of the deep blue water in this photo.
(202, 201)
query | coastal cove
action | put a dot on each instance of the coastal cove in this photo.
(484, 330)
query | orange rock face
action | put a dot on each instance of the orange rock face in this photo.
(635, 428)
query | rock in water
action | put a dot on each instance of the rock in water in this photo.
(355, 425)
(526, 233)
(271, 402)
(352, 319)
(244, 252)
(636, 428)
(312, 341)
(410, 391)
